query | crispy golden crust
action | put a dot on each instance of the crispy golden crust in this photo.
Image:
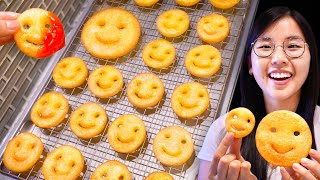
(64, 162)
(145, 90)
(224, 4)
(187, 2)
(173, 146)
(105, 81)
(159, 53)
(173, 23)
(145, 3)
(88, 120)
(126, 133)
(283, 138)
(240, 121)
(213, 28)
(22, 152)
(203, 60)
(159, 176)
(49, 110)
(111, 170)
(190, 100)
(111, 33)
(70, 72)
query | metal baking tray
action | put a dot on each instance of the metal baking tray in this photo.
(16, 112)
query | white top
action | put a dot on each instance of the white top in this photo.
(217, 131)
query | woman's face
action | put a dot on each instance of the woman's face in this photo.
(279, 76)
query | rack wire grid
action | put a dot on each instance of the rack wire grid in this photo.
(142, 162)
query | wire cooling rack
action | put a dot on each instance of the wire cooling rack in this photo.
(142, 162)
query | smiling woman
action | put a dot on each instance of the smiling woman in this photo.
(41, 33)
(279, 72)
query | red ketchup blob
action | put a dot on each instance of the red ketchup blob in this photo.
(54, 38)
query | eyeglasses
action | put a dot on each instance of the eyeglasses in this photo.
(293, 47)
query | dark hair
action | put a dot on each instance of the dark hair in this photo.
(251, 94)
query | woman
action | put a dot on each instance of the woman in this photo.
(279, 72)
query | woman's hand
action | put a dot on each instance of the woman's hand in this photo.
(309, 169)
(230, 165)
(8, 26)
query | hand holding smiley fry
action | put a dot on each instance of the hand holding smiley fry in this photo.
(230, 164)
(308, 169)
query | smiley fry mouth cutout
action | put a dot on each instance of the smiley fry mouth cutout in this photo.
(21, 155)
(41, 45)
(237, 128)
(86, 125)
(171, 153)
(280, 151)
(125, 140)
(188, 105)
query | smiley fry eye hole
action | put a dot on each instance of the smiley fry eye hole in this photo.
(248, 120)
(167, 136)
(48, 26)
(183, 141)
(121, 177)
(26, 26)
(296, 133)
(235, 116)
(273, 129)
(102, 23)
(121, 27)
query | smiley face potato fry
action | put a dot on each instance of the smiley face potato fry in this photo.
(41, 33)
(283, 138)
(240, 121)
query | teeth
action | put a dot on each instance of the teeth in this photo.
(280, 75)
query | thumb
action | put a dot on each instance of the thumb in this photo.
(235, 148)
(8, 27)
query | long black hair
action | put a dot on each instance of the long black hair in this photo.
(251, 94)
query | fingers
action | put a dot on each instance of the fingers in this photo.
(235, 148)
(234, 170)
(303, 172)
(312, 166)
(285, 174)
(245, 170)
(223, 165)
(6, 39)
(6, 15)
(315, 155)
(8, 25)
(221, 151)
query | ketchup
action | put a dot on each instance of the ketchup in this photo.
(54, 38)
